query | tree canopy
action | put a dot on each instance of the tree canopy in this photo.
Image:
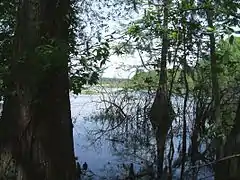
(179, 112)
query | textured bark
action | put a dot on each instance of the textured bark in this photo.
(230, 168)
(215, 87)
(160, 116)
(214, 69)
(36, 114)
(161, 110)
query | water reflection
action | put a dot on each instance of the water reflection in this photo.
(97, 156)
(104, 157)
(100, 155)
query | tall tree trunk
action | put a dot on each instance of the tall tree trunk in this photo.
(36, 113)
(215, 85)
(160, 113)
(230, 168)
(194, 139)
(184, 140)
(194, 149)
(214, 69)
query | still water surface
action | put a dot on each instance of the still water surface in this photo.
(97, 156)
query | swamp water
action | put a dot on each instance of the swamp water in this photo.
(102, 160)
(99, 155)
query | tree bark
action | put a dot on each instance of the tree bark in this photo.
(215, 87)
(184, 136)
(161, 110)
(36, 113)
(230, 168)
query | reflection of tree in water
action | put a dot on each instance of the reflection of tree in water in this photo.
(123, 120)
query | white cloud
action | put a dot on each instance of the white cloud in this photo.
(121, 66)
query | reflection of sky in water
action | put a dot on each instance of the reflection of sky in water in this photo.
(99, 156)
(96, 156)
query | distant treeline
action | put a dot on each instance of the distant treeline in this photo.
(105, 80)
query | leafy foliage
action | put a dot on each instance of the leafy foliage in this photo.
(190, 35)
(188, 55)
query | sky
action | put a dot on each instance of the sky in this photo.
(116, 64)
(114, 67)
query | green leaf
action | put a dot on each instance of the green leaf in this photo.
(210, 29)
